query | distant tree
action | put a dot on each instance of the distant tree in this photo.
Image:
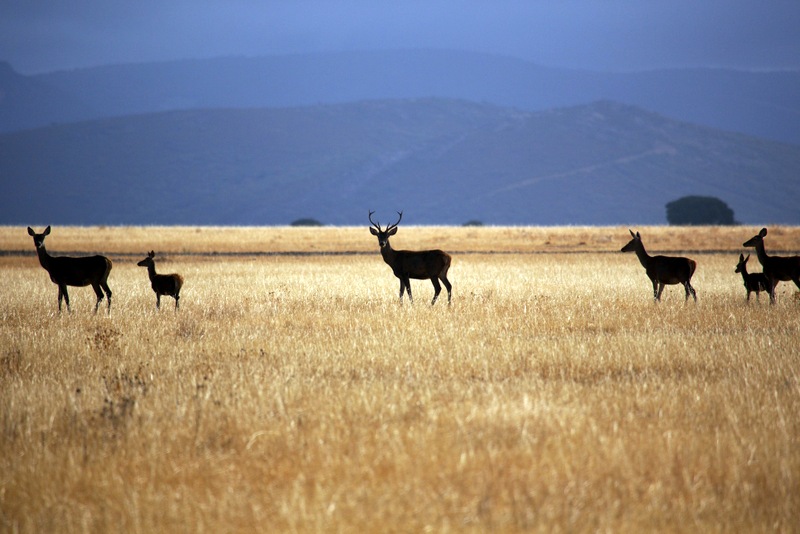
(307, 222)
(697, 210)
(473, 222)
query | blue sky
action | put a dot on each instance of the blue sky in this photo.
(620, 35)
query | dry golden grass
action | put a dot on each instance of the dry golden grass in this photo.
(294, 393)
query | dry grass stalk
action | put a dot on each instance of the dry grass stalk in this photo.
(294, 393)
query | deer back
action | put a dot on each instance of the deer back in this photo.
(78, 271)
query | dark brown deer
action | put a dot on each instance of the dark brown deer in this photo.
(776, 268)
(662, 270)
(407, 264)
(757, 282)
(162, 284)
(79, 272)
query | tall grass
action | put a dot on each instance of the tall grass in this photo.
(295, 393)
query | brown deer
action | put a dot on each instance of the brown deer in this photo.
(776, 268)
(663, 269)
(753, 281)
(79, 272)
(407, 264)
(162, 284)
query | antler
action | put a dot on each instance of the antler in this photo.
(375, 224)
(391, 226)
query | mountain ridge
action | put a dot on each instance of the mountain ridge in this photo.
(446, 161)
(762, 104)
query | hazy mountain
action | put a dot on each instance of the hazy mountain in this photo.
(28, 102)
(441, 161)
(763, 104)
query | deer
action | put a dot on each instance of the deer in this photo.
(407, 264)
(663, 270)
(78, 272)
(162, 284)
(757, 282)
(776, 268)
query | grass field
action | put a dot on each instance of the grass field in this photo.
(292, 392)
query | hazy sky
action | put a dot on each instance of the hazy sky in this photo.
(44, 35)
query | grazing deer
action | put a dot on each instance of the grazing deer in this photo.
(407, 264)
(663, 269)
(79, 272)
(776, 268)
(162, 284)
(757, 282)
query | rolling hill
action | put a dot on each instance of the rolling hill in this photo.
(441, 161)
(762, 104)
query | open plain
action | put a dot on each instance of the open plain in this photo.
(293, 392)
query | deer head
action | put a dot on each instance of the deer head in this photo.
(633, 243)
(148, 261)
(756, 239)
(742, 265)
(383, 235)
(38, 239)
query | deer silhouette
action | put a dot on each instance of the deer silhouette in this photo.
(162, 284)
(663, 270)
(407, 264)
(757, 282)
(78, 272)
(776, 268)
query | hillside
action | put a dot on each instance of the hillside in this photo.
(441, 161)
(762, 104)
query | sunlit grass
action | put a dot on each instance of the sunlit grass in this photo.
(296, 393)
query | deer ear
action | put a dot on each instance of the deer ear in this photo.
(747, 258)
(741, 258)
(30, 231)
(393, 231)
(631, 231)
(373, 230)
(638, 236)
(763, 232)
(47, 230)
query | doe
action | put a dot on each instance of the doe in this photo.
(663, 269)
(162, 284)
(78, 272)
(776, 268)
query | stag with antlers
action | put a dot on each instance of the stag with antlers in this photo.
(662, 270)
(407, 264)
(162, 284)
(776, 268)
(79, 272)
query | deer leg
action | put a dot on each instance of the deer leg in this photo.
(408, 290)
(62, 293)
(99, 293)
(158, 301)
(690, 289)
(177, 299)
(107, 289)
(449, 287)
(402, 289)
(774, 284)
(436, 290)
(660, 290)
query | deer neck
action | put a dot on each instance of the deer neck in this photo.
(761, 253)
(151, 271)
(644, 257)
(389, 254)
(44, 257)
(744, 274)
